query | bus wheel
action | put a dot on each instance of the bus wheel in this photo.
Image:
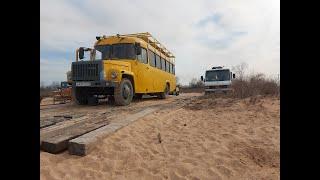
(81, 96)
(110, 100)
(93, 101)
(123, 94)
(177, 93)
(164, 94)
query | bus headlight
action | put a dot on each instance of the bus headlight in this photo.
(114, 74)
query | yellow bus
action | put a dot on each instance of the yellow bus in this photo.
(122, 67)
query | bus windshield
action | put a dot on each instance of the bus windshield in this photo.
(117, 51)
(219, 75)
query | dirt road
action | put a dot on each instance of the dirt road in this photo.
(201, 138)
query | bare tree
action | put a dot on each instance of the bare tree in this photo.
(178, 81)
(54, 85)
(195, 83)
(240, 70)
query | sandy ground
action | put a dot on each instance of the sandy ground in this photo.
(216, 138)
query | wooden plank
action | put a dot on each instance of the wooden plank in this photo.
(60, 127)
(46, 123)
(84, 144)
(59, 141)
(51, 121)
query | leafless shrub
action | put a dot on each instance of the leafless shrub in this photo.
(255, 84)
(195, 83)
(178, 81)
(46, 90)
(240, 70)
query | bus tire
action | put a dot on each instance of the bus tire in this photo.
(164, 94)
(81, 96)
(110, 100)
(93, 101)
(123, 93)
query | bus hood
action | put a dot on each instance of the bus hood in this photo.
(115, 66)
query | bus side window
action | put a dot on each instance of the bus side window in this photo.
(163, 64)
(152, 59)
(173, 69)
(158, 62)
(143, 56)
(167, 66)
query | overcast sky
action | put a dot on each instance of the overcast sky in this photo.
(201, 34)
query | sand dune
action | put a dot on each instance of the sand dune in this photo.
(206, 139)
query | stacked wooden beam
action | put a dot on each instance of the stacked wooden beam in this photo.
(55, 138)
(80, 135)
(85, 144)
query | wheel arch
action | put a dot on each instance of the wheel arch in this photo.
(168, 83)
(131, 78)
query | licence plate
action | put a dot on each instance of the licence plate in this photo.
(83, 84)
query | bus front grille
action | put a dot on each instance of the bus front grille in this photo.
(86, 70)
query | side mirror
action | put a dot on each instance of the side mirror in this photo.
(138, 48)
(81, 53)
(234, 76)
(201, 78)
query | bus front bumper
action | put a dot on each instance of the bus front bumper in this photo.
(102, 83)
(217, 90)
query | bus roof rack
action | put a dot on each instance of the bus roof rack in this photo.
(147, 37)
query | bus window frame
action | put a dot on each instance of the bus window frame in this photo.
(147, 62)
(163, 64)
(154, 59)
(173, 69)
(157, 62)
(167, 67)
